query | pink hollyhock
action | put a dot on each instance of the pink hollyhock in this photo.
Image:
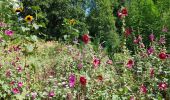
(130, 63)
(151, 37)
(128, 31)
(85, 38)
(96, 62)
(15, 90)
(109, 62)
(33, 94)
(9, 32)
(150, 50)
(162, 40)
(119, 14)
(19, 68)
(20, 84)
(83, 80)
(143, 89)
(51, 94)
(141, 45)
(162, 55)
(163, 86)
(72, 80)
(136, 41)
(151, 72)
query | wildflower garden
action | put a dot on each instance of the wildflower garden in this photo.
(84, 49)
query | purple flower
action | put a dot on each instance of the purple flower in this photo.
(9, 32)
(151, 37)
(150, 50)
(72, 80)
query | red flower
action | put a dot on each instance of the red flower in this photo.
(96, 62)
(162, 55)
(143, 89)
(124, 12)
(85, 38)
(83, 80)
(163, 86)
(130, 63)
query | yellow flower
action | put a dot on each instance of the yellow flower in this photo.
(28, 18)
(72, 22)
(18, 10)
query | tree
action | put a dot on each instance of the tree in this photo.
(101, 25)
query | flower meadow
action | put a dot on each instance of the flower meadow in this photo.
(74, 67)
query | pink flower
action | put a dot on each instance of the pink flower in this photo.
(51, 94)
(151, 72)
(132, 98)
(20, 84)
(119, 14)
(130, 63)
(162, 40)
(80, 65)
(96, 62)
(136, 41)
(33, 94)
(9, 32)
(143, 89)
(139, 37)
(150, 50)
(141, 45)
(72, 80)
(15, 90)
(151, 37)
(19, 68)
(2, 24)
(109, 62)
(163, 86)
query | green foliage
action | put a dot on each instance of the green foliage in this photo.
(147, 16)
(101, 25)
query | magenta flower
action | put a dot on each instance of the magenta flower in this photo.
(150, 50)
(151, 37)
(143, 89)
(96, 62)
(163, 86)
(51, 94)
(15, 90)
(72, 80)
(130, 63)
(9, 32)
(20, 84)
